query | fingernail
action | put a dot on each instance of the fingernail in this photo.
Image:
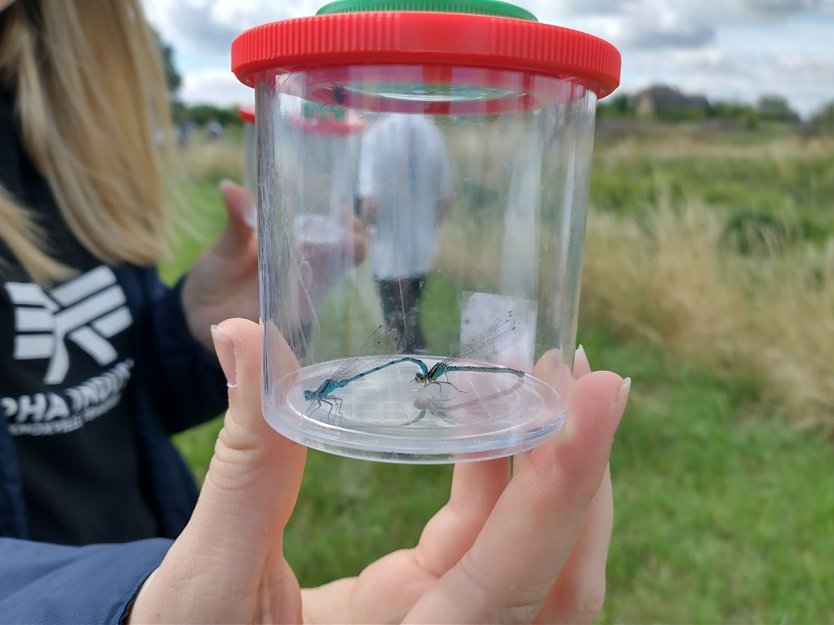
(580, 353)
(622, 398)
(225, 349)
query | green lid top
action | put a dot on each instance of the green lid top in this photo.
(311, 110)
(476, 7)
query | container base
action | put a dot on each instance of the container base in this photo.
(388, 416)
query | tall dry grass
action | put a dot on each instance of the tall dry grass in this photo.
(672, 280)
(192, 188)
(672, 146)
(212, 160)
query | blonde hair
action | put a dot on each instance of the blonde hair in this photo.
(90, 94)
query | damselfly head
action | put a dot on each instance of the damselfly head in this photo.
(309, 395)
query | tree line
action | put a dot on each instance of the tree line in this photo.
(667, 104)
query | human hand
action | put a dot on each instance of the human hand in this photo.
(349, 250)
(532, 548)
(322, 264)
(227, 565)
(224, 281)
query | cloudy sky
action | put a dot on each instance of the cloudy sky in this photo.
(728, 49)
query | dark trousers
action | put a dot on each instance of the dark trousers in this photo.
(400, 307)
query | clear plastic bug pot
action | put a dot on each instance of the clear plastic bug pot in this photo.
(420, 266)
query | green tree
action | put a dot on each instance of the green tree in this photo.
(201, 114)
(619, 106)
(737, 112)
(823, 118)
(172, 77)
(775, 108)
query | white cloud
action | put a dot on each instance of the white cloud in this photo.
(215, 86)
(807, 73)
(780, 8)
(633, 23)
(210, 25)
(663, 28)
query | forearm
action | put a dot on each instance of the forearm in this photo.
(54, 584)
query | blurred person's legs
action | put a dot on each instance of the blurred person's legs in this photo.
(400, 299)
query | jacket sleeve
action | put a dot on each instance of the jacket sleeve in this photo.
(49, 584)
(184, 380)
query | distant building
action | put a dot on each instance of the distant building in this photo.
(661, 101)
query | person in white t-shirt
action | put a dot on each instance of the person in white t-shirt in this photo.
(405, 189)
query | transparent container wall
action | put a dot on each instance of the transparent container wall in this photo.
(420, 277)
(250, 165)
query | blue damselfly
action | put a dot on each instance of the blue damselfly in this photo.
(363, 364)
(484, 342)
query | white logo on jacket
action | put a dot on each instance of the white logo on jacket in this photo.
(87, 310)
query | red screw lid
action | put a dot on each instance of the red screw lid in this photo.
(246, 114)
(478, 57)
(426, 38)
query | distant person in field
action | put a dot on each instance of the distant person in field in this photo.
(405, 189)
(214, 130)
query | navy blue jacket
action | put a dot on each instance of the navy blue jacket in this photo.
(176, 384)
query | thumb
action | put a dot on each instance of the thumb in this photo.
(217, 569)
(253, 480)
(240, 224)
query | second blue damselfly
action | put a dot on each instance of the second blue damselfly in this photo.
(488, 341)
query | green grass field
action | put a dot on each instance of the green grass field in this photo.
(724, 506)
